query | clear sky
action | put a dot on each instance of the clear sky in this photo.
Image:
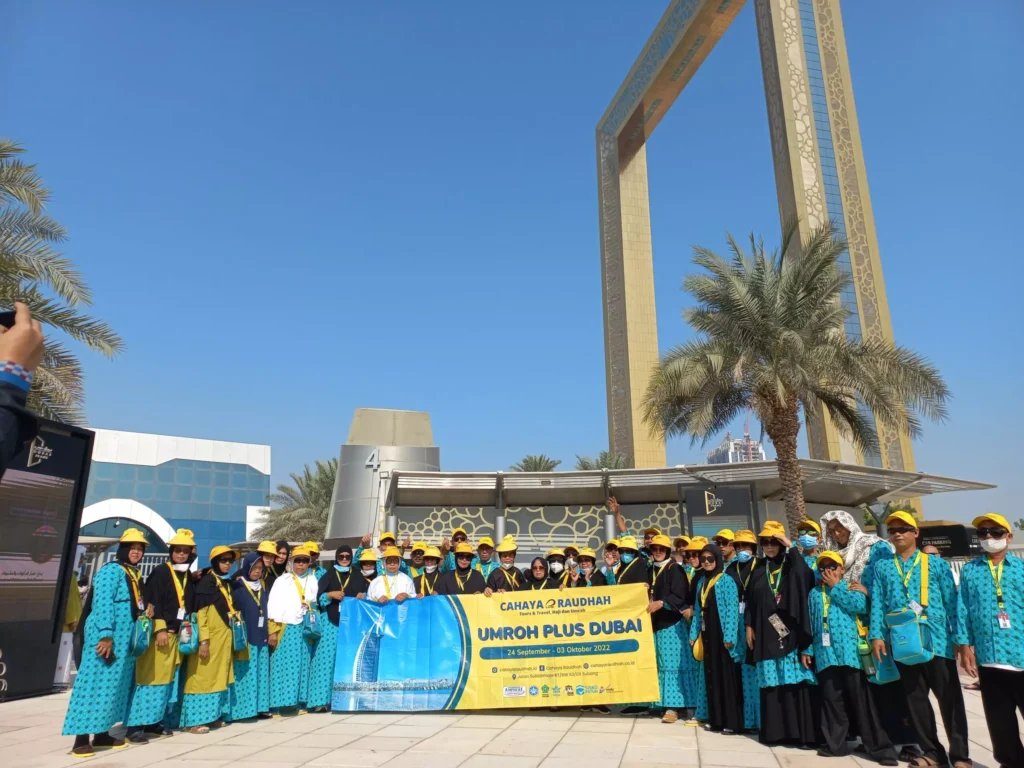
(293, 210)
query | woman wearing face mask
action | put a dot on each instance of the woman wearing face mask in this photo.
(168, 590)
(632, 567)
(693, 670)
(611, 561)
(587, 575)
(808, 539)
(293, 595)
(716, 622)
(507, 578)
(464, 580)
(426, 581)
(778, 629)
(103, 687)
(250, 695)
(392, 584)
(556, 566)
(742, 568)
(209, 671)
(367, 560)
(679, 544)
(538, 577)
(669, 595)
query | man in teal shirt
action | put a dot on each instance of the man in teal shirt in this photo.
(898, 586)
(990, 633)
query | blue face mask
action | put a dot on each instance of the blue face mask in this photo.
(627, 557)
(743, 556)
(807, 541)
(343, 568)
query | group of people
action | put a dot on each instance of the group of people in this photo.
(792, 643)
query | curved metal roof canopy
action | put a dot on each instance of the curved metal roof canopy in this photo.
(825, 482)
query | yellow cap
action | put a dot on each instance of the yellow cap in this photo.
(459, 530)
(726, 534)
(392, 552)
(772, 530)
(805, 524)
(697, 543)
(419, 546)
(507, 544)
(828, 554)
(133, 536)
(680, 541)
(661, 540)
(463, 547)
(301, 551)
(612, 543)
(745, 537)
(368, 556)
(652, 531)
(571, 548)
(432, 552)
(485, 541)
(901, 516)
(387, 536)
(312, 547)
(267, 548)
(555, 551)
(992, 517)
(587, 552)
(219, 550)
(183, 537)
(628, 542)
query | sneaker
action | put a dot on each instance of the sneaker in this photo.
(602, 709)
(888, 761)
(138, 737)
(585, 709)
(670, 716)
(157, 730)
(264, 716)
(634, 710)
(106, 741)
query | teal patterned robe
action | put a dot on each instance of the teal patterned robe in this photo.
(844, 605)
(977, 622)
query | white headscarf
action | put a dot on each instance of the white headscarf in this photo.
(857, 550)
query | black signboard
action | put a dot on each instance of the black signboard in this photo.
(950, 540)
(712, 508)
(41, 497)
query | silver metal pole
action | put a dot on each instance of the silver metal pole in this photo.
(610, 531)
(499, 528)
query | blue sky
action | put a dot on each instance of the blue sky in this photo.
(292, 211)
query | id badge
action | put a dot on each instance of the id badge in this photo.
(312, 617)
(826, 640)
(916, 607)
(260, 624)
(181, 614)
(703, 627)
(778, 625)
(1004, 620)
(743, 607)
(142, 606)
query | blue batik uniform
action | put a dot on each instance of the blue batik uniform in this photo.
(889, 595)
(844, 605)
(404, 567)
(751, 693)
(320, 571)
(978, 611)
(880, 552)
(102, 690)
(728, 596)
(486, 569)
(321, 668)
(250, 695)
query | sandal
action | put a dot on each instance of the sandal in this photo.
(922, 762)
(199, 729)
(972, 686)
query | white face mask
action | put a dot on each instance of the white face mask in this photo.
(556, 567)
(993, 545)
(586, 568)
(430, 568)
(369, 571)
(509, 566)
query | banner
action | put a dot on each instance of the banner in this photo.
(574, 647)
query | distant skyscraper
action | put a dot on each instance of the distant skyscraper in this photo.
(736, 451)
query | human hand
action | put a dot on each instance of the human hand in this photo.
(878, 649)
(382, 599)
(336, 594)
(400, 597)
(687, 613)
(782, 537)
(105, 647)
(613, 505)
(161, 638)
(609, 559)
(856, 586)
(204, 649)
(728, 645)
(750, 638)
(149, 612)
(488, 592)
(365, 541)
(561, 587)
(805, 660)
(23, 342)
(968, 660)
(408, 542)
(360, 596)
(445, 544)
(654, 606)
(830, 578)
(272, 640)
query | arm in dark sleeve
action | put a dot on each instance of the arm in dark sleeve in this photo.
(17, 424)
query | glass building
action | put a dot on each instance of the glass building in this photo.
(160, 483)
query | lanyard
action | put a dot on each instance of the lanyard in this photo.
(460, 582)
(534, 585)
(226, 594)
(254, 598)
(177, 587)
(826, 601)
(753, 565)
(628, 566)
(347, 580)
(910, 571)
(997, 577)
(777, 583)
(707, 589)
(300, 588)
(658, 571)
(425, 584)
(133, 581)
(513, 581)
(387, 587)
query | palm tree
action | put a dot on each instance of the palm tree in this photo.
(535, 463)
(604, 460)
(32, 272)
(302, 509)
(770, 337)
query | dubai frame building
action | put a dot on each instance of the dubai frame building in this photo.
(819, 174)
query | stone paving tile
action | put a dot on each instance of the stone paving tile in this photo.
(500, 761)
(262, 739)
(522, 743)
(537, 723)
(612, 740)
(488, 721)
(792, 759)
(348, 728)
(559, 762)
(409, 730)
(392, 744)
(356, 758)
(373, 718)
(220, 752)
(606, 724)
(426, 760)
(459, 740)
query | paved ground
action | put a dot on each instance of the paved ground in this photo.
(30, 738)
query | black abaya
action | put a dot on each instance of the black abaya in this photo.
(723, 678)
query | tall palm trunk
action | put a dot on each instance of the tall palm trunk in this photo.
(782, 426)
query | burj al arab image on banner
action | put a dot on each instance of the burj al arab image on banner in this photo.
(400, 656)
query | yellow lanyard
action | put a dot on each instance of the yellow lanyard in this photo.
(425, 584)
(414, 571)
(133, 581)
(300, 588)
(997, 577)
(657, 572)
(746, 581)
(460, 582)
(513, 581)
(534, 585)
(777, 582)
(227, 595)
(387, 587)
(177, 587)
(628, 566)
(826, 601)
(707, 589)
(910, 571)
(254, 598)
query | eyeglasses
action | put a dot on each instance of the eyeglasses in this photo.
(301, 561)
(893, 531)
(223, 560)
(767, 542)
(345, 557)
(828, 566)
(807, 532)
(990, 533)
(458, 539)
(707, 558)
(463, 556)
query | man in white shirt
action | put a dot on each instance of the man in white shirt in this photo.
(392, 584)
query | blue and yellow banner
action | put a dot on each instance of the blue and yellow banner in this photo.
(575, 647)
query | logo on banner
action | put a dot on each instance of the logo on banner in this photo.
(513, 691)
(38, 452)
(712, 503)
(534, 690)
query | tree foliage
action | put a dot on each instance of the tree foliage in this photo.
(301, 509)
(535, 463)
(604, 460)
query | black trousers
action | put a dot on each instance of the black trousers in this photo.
(845, 710)
(1002, 694)
(940, 677)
